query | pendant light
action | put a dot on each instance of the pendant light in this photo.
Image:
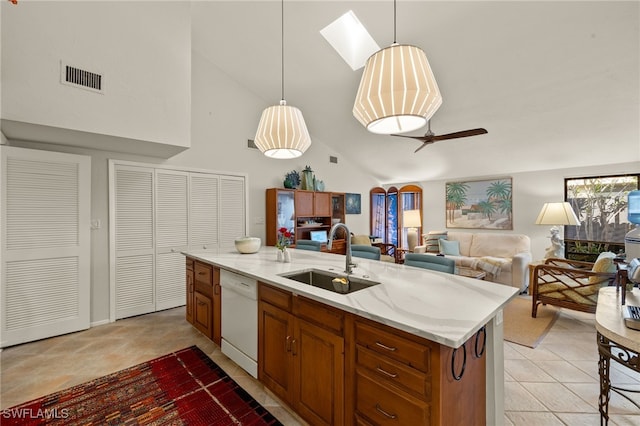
(282, 132)
(398, 92)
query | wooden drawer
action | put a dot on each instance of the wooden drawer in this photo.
(396, 347)
(203, 273)
(399, 374)
(386, 406)
(319, 314)
(362, 422)
(274, 296)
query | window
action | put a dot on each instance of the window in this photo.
(601, 205)
(387, 207)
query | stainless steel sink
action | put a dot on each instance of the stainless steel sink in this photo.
(325, 280)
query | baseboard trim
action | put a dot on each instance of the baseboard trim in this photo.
(97, 323)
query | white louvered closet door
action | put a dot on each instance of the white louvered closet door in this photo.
(203, 214)
(134, 242)
(46, 244)
(172, 202)
(232, 210)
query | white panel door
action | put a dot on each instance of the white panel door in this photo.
(172, 233)
(232, 210)
(203, 212)
(132, 222)
(46, 244)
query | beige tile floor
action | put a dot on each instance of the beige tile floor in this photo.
(554, 384)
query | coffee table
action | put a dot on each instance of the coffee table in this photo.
(471, 273)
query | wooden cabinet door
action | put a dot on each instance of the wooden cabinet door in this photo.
(322, 204)
(318, 361)
(216, 320)
(304, 203)
(190, 296)
(203, 314)
(275, 337)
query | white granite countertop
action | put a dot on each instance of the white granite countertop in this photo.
(447, 309)
(609, 320)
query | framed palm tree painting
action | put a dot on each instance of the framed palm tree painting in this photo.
(479, 204)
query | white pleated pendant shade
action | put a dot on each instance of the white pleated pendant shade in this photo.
(282, 132)
(398, 92)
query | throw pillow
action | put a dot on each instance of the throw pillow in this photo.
(603, 264)
(431, 240)
(452, 248)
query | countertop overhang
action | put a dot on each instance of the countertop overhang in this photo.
(444, 308)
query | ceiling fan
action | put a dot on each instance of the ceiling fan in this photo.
(430, 137)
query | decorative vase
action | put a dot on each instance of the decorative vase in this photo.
(280, 255)
(287, 255)
(307, 179)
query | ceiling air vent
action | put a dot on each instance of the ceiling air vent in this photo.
(80, 78)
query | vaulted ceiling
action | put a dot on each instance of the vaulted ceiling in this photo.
(556, 84)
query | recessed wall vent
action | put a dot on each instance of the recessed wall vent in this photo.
(80, 78)
(251, 144)
(333, 159)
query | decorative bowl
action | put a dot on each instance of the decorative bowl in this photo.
(248, 244)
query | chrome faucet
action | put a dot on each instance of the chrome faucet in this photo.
(349, 265)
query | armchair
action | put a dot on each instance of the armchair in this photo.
(570, 284)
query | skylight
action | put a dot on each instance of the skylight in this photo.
(350, 39)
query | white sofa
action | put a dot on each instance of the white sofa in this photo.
(505, 257)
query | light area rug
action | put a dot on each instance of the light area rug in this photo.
(521, 328)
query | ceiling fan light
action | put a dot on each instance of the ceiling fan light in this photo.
(282, 132)
(398, 92)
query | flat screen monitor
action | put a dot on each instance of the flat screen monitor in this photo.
(320, 236)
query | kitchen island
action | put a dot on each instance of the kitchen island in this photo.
(452, 312)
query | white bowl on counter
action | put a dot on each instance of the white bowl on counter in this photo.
(248, 244)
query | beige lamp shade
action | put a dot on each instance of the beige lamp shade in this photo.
(411, 219)
(557, 214)
(282, 132)
(398, 92)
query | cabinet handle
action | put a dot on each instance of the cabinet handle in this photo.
(293, 347)
(387, 415)
(386, 373)
(288, 344)
(389, 348)
(202, 273)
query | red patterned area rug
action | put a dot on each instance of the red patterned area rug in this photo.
(181, 388)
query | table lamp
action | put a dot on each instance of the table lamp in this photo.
(411, 220)
(556, 214)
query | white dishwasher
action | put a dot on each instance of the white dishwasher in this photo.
(239, 319)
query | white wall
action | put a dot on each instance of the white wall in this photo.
(143, 53)
(224, 116)
(530, 191)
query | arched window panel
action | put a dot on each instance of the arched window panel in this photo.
(378, 213)
(392, 216)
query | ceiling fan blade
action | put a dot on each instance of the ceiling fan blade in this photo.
(422, 146)
(461, 134)
(420, 138)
